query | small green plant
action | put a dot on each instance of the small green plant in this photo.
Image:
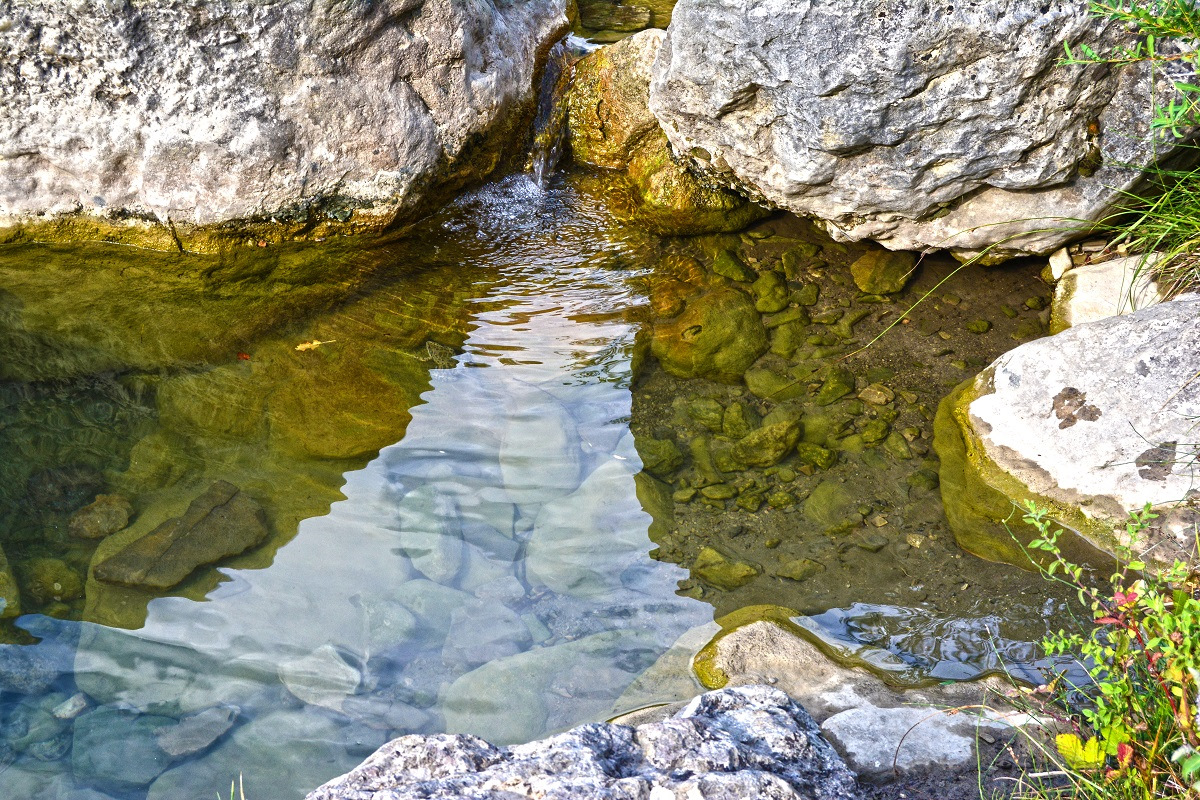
(1133, 726)
(1168, 32)
(240, 790)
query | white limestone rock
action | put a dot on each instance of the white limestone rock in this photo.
(921, 125)
(1095, 291)
(747, 742)
(1095, 422)
(203, 111)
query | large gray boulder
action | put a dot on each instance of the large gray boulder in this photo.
(198, 112)
(746, 742)
(1092, 423)
(920, 125)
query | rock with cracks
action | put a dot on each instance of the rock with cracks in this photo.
(746, 742)
(141, 121)
(920, 125)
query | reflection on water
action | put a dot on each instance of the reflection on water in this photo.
(456, 525)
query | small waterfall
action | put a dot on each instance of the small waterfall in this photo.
(550, 122)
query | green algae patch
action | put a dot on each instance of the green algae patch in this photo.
(984, 504)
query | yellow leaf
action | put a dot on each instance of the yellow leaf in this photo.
(313, 345)
(1080, 755)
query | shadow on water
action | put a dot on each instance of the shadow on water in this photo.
(427, 463)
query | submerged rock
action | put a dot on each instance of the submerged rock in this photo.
(222, 522)
(920, 128)
(321, 678)
(513, 699)
(718, 336)
(1092, 423)
(118, 749)
(304, 114)
(107, 514)
(882, 271)
(747, 742)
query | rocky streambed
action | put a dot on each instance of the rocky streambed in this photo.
(274, 496)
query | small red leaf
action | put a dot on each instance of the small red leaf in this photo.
(243, 356)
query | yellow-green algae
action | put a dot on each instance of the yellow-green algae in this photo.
(985, 504)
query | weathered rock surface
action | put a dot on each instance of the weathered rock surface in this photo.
(189, 112)
(1093, 423)
(1095, 291)
(747, 742)
(611, 126)
(872, 723)
(222, 522)
(917, 125)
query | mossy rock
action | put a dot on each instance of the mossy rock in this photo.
(882, 271)
(718, 336)
(671, 201)
(660, 457)
(607, 105)
(771, 293)
(838, 383)
(769, 444)
(832, 507)
(770, 385)
(10, 597)
(716, 570)
(984, 503)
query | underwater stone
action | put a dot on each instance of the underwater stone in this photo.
(481, 632)
(510, 700)
(728, 264)
(105, 515)
(979, 326)
(769, 444)
(321, 678)
(714, 569)
(431, 533)
(770, 385)
(781, 499)
(725, 457)
(800, 569)
(196, 732)
(708, 413)
(838, 383)
(51, 579)
(771, 293)
(882, 271)
(660, 457)
(832, 507)
(877, 394)
(815, 455)
(875, 431)
(808, 294)
(432, 604)
(739, 421)
(222, 522)
(118, 749)
(718, 491)
(718, 336)
(897, 446)
(581, 543)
